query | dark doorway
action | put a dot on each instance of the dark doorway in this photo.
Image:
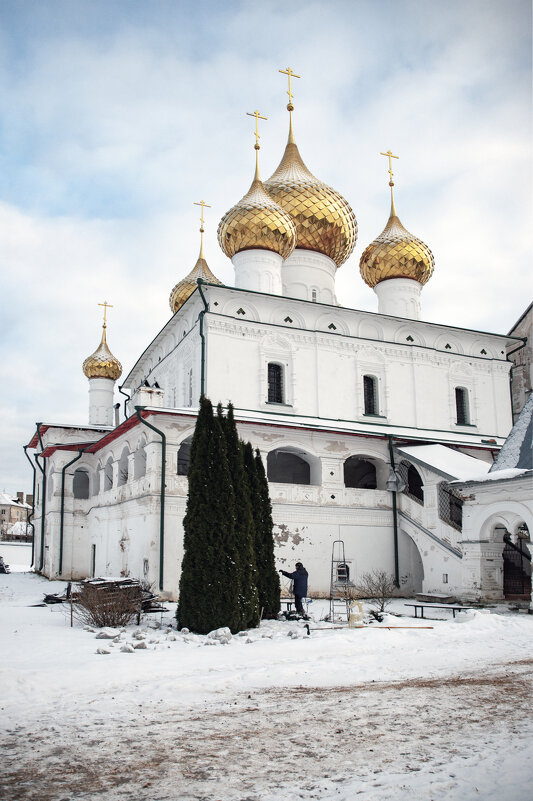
(516, 571)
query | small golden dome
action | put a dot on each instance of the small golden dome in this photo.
(257, 222)
(396, 253)
(184, 288)
(102, 363)
(324, 220)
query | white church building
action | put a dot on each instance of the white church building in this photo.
(362, 418)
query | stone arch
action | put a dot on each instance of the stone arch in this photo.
(331, 323)
(409, 335)
(235, 308)
(411, 564)
(123, 467)
(139, 459)
(414, 483)
(184, 456)
(80, 483)
(292, 465)
(363, 471)
(108, 474)
(448, 344)
(96, 479)
(370, 330)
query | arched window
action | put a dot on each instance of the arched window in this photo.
(108, 474)
(450, 507)
(285, 467)
(370, 394)
(139, 460)
(184, 457)
(313, 295)
(414, 486)
(462, 406)
(80, 484)
(275, 383)
(359, 473)
(123, 467)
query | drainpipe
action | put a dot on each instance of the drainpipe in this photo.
(201, 316)
(125, 402)
(394, 518)
(62, 512)
(28, 518)
(138, 410)
(43, 500)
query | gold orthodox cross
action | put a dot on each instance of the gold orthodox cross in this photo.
(204, 206)
(258, 117)
(390, 156)
(291, 74)
(106, 306)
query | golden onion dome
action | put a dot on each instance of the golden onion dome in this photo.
(324, 220)
(257, 222)
(396, 253)
(102, 363)
(184, 288)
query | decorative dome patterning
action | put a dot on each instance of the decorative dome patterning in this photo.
(184, 288)
(324, 220)
(257, 222)
(396, 254)
(102, 363)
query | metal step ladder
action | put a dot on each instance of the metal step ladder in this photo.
(340, 585)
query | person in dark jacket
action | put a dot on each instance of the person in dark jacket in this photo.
(299, 586)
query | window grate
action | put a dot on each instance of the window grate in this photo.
(450, 507)
(275, 383)
(370, 395)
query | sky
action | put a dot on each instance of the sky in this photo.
(116, 116)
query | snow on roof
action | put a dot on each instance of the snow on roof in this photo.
(517, 450)
(447, 462)
(498, 475)
(7, 500)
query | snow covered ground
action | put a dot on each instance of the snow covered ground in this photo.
(425, 714)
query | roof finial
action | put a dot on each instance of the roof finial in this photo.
(390, 156)
(257, 146)
(204, 206)
(106, 306)
(290, 107)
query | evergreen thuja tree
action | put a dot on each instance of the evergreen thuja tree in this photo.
(268, 587)
(243, 522)
(210, 578)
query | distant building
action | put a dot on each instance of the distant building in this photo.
(13, 510)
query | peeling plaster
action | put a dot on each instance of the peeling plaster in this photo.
(334, 446)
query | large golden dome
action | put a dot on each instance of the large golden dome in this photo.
(257, 222)
(102, 363)
(396, 253)
(184, 288)
(324, 220)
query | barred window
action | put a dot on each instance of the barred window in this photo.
(370, 394)
(275, 383)
(450, 507)
(414, 486)
(461, 406)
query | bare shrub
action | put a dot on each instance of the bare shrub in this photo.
(377, 587)
(111, 604)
